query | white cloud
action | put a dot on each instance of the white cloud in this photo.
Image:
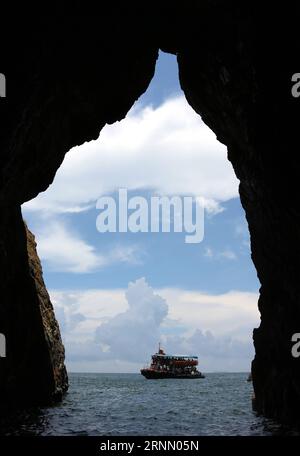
(126, 254)
(211, 206)
(208, 252)
(97, 306)
(233, 313)
(242, 233)
(63, 250)
(168, 149)
(216, 353)
(226, 254)
(113, 330)
(93, 365)
(133, 332)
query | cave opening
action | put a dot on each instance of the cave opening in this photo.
(58, 96)
(161, 149)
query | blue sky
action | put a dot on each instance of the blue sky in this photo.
(193, 297)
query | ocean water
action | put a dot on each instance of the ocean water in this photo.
(128, 404)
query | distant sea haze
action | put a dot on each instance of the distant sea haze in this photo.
(128, 404)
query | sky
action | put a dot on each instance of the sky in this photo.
(116, 295)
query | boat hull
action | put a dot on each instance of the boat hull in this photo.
(153, 375)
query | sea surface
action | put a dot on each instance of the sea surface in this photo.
(128, 404)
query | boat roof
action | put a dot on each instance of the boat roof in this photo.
(177, 356)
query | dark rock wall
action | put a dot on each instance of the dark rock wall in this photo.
(65, 81)
(33, 371)
(67, 76)
(54, 347)
(236, 73)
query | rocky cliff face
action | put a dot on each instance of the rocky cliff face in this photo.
(226, 75)
(33, 371)
(65, 81)
(69, 75)
(50, 326)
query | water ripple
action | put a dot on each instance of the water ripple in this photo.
(127, 404)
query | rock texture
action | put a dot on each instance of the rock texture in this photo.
(239, 80)
(69, 75)
(33, 371)
(52, 336)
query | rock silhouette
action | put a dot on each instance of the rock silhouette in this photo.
(67, 75)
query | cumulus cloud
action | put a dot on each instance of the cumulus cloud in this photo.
(63, 250)
(98, 306)
(168, 149)
(233, 313)
(68, 316)
(121, 328)
(134, 331)
(215, 352)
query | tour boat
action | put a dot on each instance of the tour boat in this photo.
(172, 366)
